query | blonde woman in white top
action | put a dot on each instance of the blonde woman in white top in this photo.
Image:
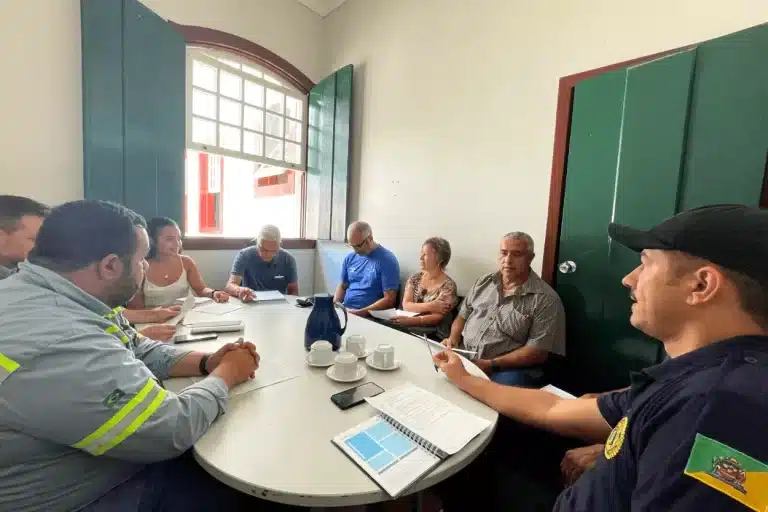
(171, 275)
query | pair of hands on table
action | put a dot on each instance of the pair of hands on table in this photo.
(235, 362)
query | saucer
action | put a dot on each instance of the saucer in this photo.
(365, 354)
(369, 362)
(318, 365)
(361, 371)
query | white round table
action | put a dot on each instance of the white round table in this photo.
(275, 442)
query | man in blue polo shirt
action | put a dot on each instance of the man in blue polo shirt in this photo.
(689, 434)
(262, 267)
(370, 276)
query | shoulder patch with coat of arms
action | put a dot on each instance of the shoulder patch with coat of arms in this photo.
(730, 471)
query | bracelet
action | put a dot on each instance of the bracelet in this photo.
(495, 367)
(203, 364)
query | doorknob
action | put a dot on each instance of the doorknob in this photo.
(567, 267)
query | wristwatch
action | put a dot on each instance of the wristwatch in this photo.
(203, 364)
(495, 367)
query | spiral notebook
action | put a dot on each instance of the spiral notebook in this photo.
(414, 431)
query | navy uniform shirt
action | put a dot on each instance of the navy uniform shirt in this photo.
(691, 434)
(260, 275)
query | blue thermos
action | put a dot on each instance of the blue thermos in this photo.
(324, 324)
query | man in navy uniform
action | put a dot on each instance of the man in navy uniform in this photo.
(689, 434)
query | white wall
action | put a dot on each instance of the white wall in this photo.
(216, 265)
(455, 105)
(41, 142)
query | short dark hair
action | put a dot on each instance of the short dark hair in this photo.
(753, 296)
(13, 208)
(79, 233)
(154, 226)
(442, 248)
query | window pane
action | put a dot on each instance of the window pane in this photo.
(229, 138)
(230, 85)
(274, 125)
(204, 75)
(292, 153)
(292, 130)
(252, 71)
(229, 111)
(294, 108)
(253, 143)
(273, 148)
(275, 101)
(253, 119)
(203, 132)
(270, 78)
(203, 103)
(254, 94)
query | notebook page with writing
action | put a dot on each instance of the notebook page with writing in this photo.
(430, 417)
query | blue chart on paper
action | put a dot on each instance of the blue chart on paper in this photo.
(380, 445)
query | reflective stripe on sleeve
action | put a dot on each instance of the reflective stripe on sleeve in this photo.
(7, 367)
(114, 329)
(115, 311)
(125, 422)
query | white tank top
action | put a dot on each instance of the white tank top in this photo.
(157, 296)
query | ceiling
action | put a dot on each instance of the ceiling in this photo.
(322, 7)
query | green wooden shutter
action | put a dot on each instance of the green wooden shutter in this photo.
(330, 112)
(102, 58)
(133, 108)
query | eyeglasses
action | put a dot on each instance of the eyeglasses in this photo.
(360, 245)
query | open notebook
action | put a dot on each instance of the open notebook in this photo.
(414, 431)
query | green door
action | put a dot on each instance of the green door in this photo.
(646, 142)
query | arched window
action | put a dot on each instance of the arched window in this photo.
(210, 129)
(246, 141)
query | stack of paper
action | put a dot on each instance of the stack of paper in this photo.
(389, 314)
(267, 296)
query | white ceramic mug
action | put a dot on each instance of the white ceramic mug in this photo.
(345, 366)
(321, 352)
(384, 356)
(356, 344)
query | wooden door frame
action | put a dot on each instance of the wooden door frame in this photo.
(560, 154)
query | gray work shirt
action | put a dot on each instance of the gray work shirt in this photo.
(6, 271)
(532, 315)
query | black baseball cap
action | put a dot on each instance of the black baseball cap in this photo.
(730, 235)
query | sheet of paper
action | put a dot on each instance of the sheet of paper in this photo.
(223, 308)
(198, 300)
(268, 296)
(188, 304)
(467, 353)
(389, 314)
(268, 374)
(429, 416)
(549, 388)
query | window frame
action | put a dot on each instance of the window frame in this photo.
(197, 52)
(218, 40)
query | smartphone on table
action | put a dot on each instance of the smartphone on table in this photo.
(354, 396)
(188, 338)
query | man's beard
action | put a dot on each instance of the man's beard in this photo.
(122, 292)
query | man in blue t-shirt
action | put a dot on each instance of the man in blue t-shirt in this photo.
(262, 267)
(370, 276)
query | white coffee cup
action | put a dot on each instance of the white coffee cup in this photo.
(356, 344)
(345, 365)
(384, 356)
(321, 352)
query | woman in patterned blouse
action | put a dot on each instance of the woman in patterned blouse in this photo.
(431, 293)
